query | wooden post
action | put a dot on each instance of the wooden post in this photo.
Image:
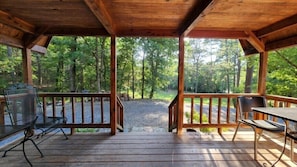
(27, 67)
(113, 86)
(262, 73)
(180, 99)
(263, 63)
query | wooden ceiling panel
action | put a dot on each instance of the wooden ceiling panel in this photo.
(147, 13)
(260, 24)
(52, 12)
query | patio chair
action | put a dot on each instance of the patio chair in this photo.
(292, 134)
(246, 116)
(20, 106)
(46, 124)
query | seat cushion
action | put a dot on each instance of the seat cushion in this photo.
(265, 125)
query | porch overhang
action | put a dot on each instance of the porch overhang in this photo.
(260, 25)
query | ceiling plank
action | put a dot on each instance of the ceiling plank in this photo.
(148, 33)
(218, 34)
(99, 10)
(16, 23)
(254, 40)
(199, 10)
(58, 31)
(278, 26)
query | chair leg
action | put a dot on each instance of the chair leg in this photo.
(64, 133)
(236, 131)
(292, 150)
(255, 144)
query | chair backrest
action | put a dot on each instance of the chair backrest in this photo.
(245, 104)
(21, 103)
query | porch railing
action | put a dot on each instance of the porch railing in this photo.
(82, 110)
(211, 110)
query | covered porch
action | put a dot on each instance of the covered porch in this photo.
(256, 24)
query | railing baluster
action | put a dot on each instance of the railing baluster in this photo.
(92, 110)
(201, 111)
(82, 110)
(210, 110)
(192, 109)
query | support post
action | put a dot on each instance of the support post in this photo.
(180, 100)
(262, 73)
(27, 66)
(263, 63)
(113, 86)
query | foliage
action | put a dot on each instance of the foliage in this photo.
(146, 66)
(282, 72)
(196, 118)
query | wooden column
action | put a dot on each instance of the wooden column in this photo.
(27, 66)
(262, 73)
(113, 86)
(180, 100)
(263, 63)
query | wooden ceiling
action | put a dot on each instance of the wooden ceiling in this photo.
(260, 25)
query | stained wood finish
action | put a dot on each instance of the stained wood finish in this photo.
(264, 25)
(150, 149)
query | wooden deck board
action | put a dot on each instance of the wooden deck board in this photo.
(149, 149)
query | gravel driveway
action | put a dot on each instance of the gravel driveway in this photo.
(145, 115)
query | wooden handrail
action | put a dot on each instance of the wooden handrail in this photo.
(73, 106)
(215, 110)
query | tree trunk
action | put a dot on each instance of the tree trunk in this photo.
(73, 68)
(248, 78)
(97, 65)
(142, 85)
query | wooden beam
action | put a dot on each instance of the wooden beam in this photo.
(27, 67)
(32, 40)
(180, 100)
(99, 10)
(248, 49)
(225, 34)
(16, 23)
(291, 41)
(278, 26)
(198, 11)
(255, 41)
(262, 73)
(7, 40)
(113, 86)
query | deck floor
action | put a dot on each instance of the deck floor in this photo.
(149, 150)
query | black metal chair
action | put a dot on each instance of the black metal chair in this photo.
(20, 106)
(292, 134)
(247, 115)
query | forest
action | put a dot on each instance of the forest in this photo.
(146, 65)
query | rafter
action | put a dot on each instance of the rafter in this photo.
(7, 40)
(16, 23)
(99, 10)
(31, 40)
(278, 26)
(255, 41)
(291, 41)
(199, 10)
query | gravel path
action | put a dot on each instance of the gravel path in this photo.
(145, 115)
